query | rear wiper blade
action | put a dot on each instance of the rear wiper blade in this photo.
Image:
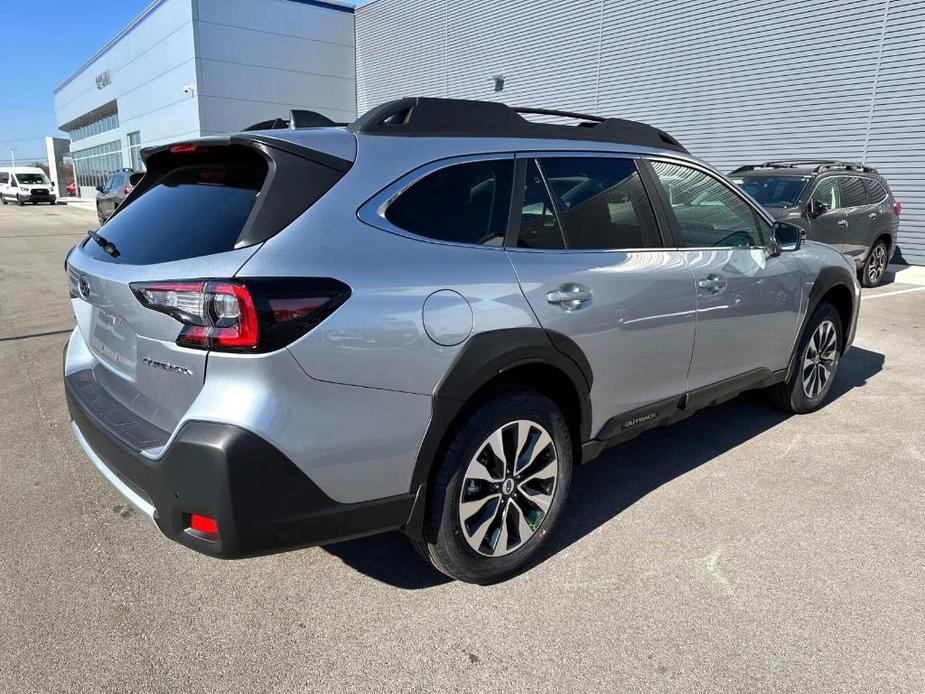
(107, 246)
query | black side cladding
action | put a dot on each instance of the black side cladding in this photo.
(420, 116)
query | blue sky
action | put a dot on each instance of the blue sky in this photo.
(44, 43)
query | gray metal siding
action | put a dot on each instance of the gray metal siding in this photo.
(896, 145)
(736, 81)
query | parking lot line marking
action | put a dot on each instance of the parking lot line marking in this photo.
(898, 291)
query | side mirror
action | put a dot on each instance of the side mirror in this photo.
(816, 208)
(787, 238)
(14, 184)
(100, 189)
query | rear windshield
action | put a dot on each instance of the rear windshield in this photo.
(773, 191)
(194, 210)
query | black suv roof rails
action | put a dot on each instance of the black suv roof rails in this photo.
(298, 118)
(818, 165)
(424, 116)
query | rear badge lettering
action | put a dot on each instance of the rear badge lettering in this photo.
(636, 421)
(172, 368)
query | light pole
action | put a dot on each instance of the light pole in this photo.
(13, 155)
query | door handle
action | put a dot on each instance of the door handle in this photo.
(569, 297)
(712, 283)
(842, 222)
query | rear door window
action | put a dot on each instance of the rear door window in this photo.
(853, 193)
(601, 202)
(462, 203)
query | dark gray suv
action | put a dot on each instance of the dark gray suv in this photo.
(846, 205)
(111, 194)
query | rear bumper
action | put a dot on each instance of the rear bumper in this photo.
(261, 500)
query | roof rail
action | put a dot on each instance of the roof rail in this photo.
(817, 165)
(298, 118)
(424, 116)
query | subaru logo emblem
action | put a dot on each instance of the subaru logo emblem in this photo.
(83, 284)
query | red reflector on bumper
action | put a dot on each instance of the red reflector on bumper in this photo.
(203, 524)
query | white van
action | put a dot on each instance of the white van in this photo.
(24, 184)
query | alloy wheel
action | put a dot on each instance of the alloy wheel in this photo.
(820, 359)
(508, 488)
(877, 264)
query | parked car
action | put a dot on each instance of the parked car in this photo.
(848, 206)
(425, 320)
(116, 188)
(24, 184)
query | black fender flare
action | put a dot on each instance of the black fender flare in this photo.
(484, 357)
(828, 278)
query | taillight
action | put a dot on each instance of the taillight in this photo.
(897, 207)
(252, 316)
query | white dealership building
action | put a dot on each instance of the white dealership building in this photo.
(736, 81)
(186, 68)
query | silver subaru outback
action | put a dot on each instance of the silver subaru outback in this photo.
(424, 321)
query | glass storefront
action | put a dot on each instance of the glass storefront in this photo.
(102, 125)
(92, 166)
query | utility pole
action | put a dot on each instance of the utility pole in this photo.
(13, 155)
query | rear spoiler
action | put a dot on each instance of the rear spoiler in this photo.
(329, 160)
(298, 118)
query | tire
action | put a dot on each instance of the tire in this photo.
(802, 392)
(3, 199)
(875, 266)
(507, 538)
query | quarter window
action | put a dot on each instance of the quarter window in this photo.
(463, 203)
(601, 202)
(708, 213)
(875, 191)
(852, 191)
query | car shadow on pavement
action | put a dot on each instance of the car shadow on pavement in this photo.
(624, 474)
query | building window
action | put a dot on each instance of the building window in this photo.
(92, 166)
(101, 125)
(134, 149)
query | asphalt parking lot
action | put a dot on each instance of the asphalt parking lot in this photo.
(738, 551)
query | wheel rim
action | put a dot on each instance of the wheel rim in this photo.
(508, 488)
(820, 359)
(877, 263)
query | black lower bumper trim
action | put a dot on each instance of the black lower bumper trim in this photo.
(261, 500)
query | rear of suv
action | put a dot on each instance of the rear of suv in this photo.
(846, 205)
(423, 321)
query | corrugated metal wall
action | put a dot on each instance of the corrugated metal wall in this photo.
(737, 81)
